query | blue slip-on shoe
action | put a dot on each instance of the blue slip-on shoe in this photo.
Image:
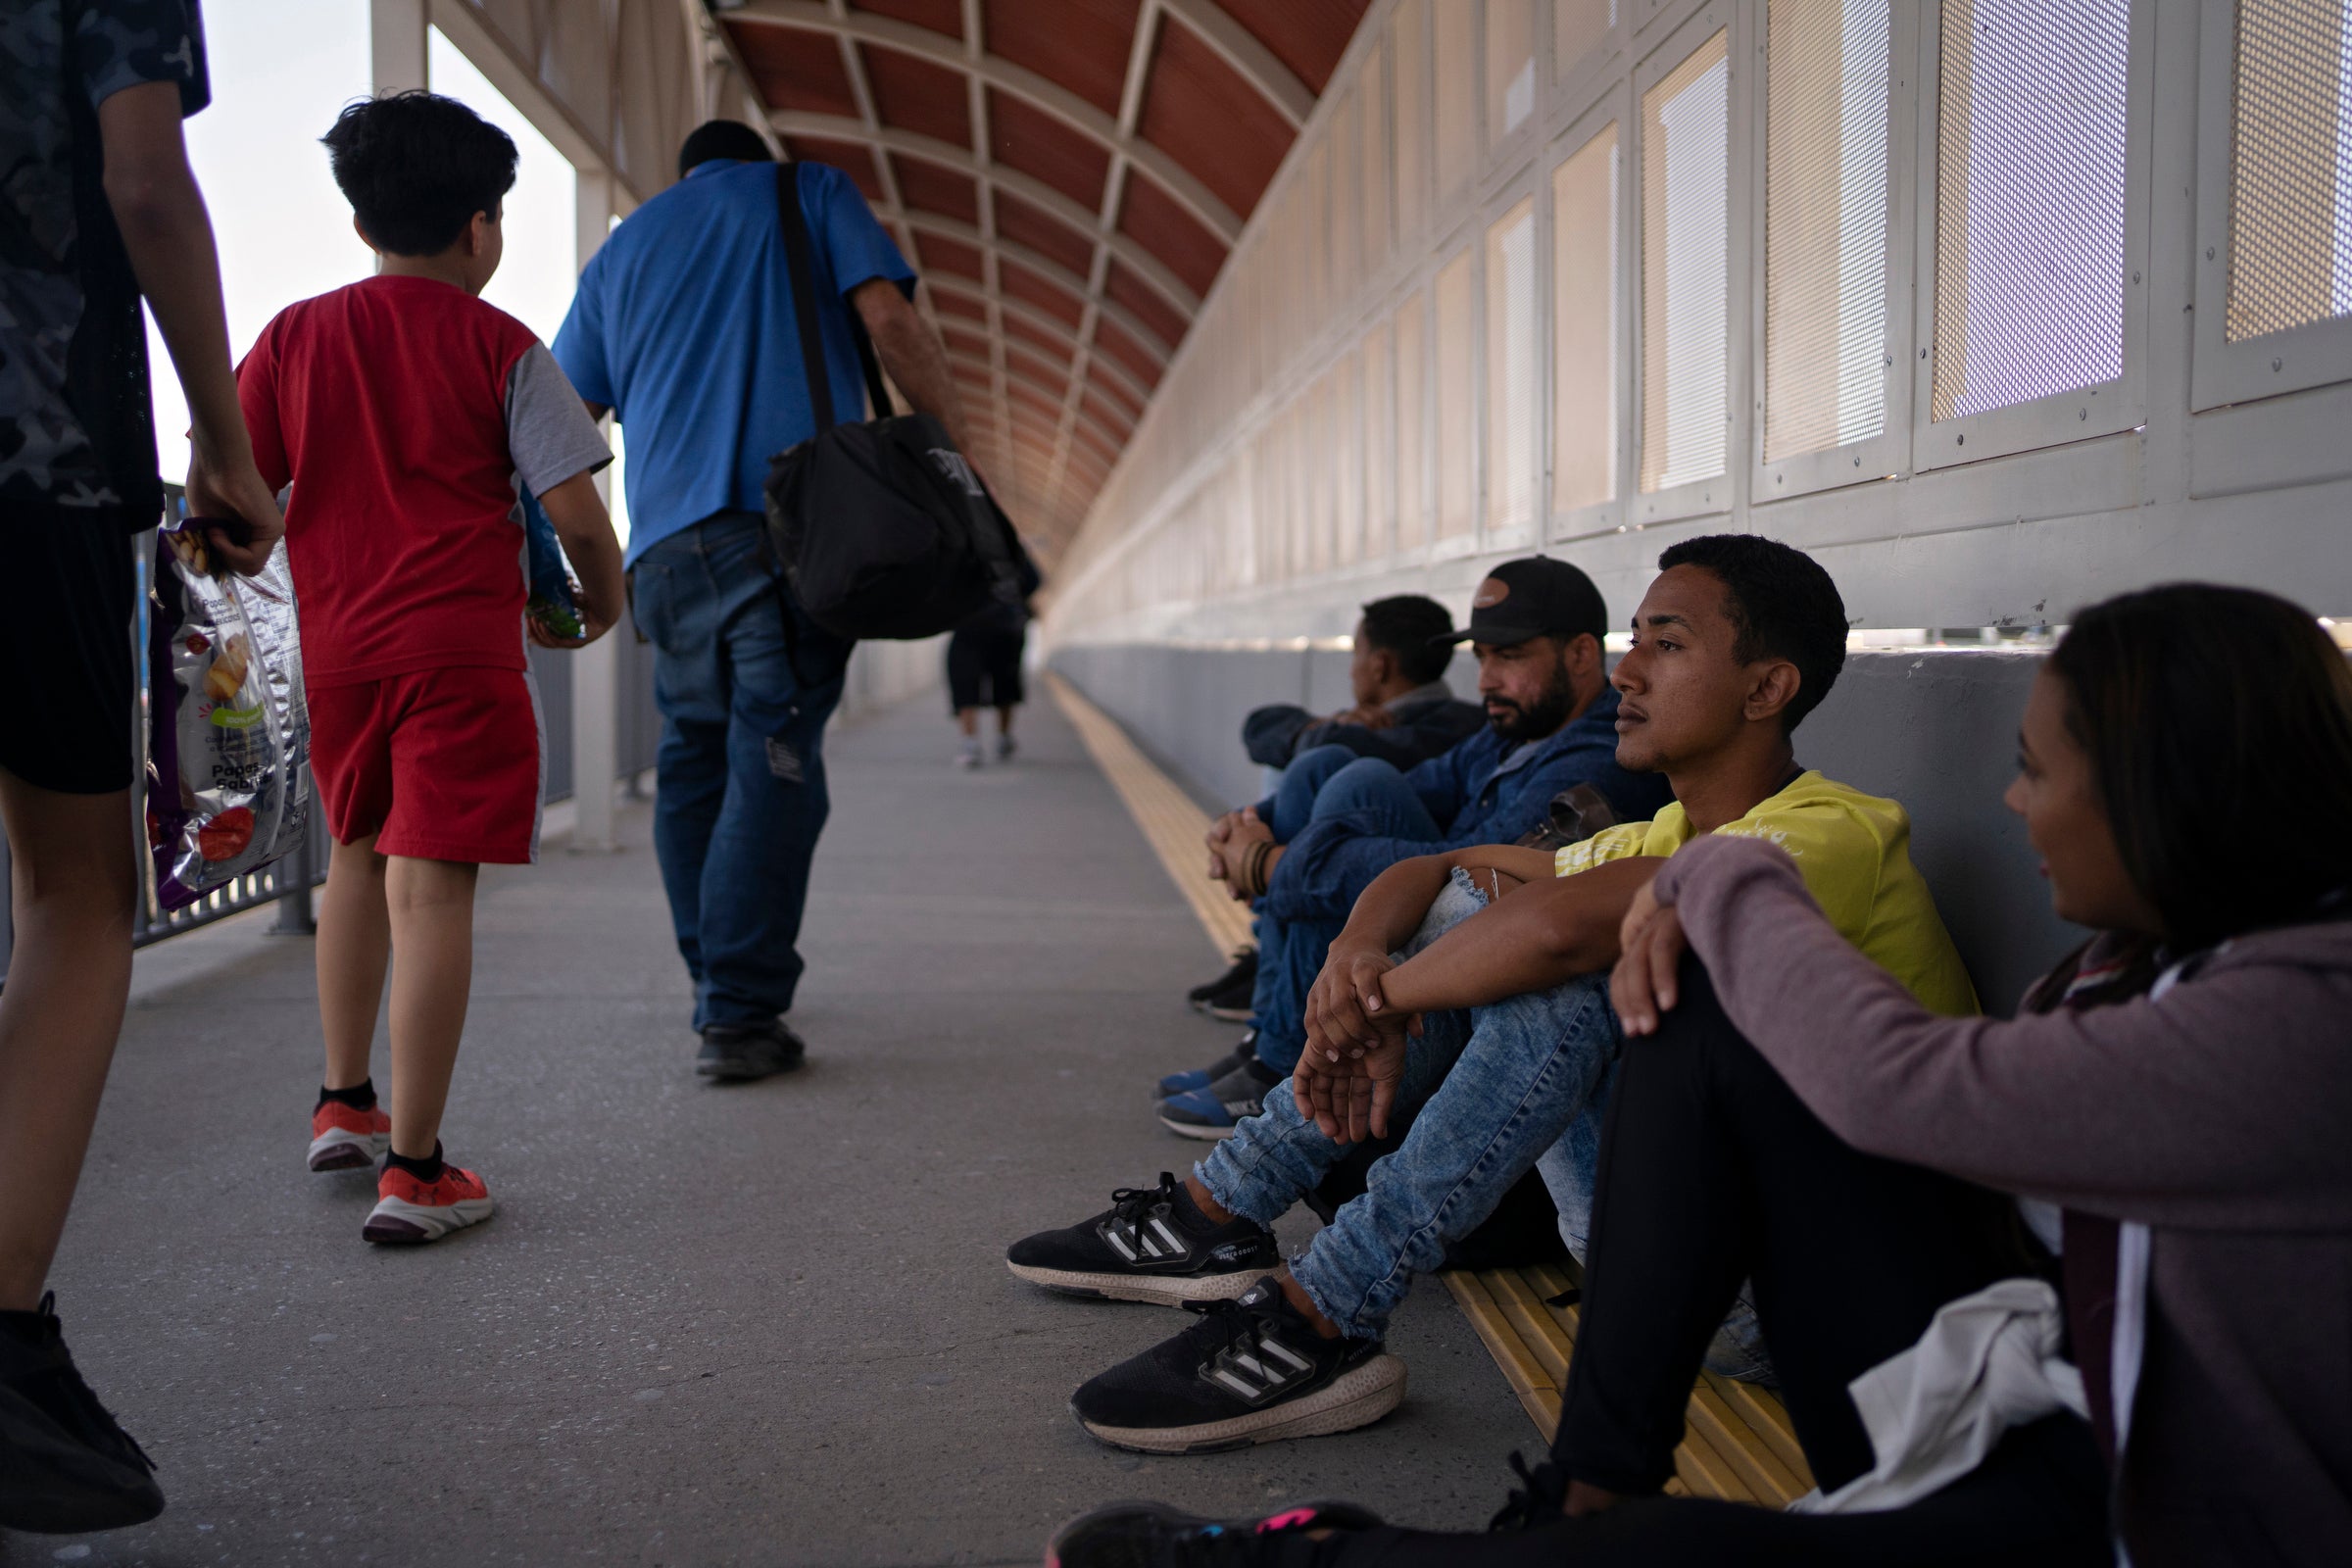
(1215, 1112)
(1184, 1083)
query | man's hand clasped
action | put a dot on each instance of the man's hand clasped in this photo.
(1652, 943)
(1241, 853)
(1349, 1075)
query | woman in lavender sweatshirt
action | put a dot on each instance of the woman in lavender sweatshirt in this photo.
(2181, 1089)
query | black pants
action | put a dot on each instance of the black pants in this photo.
(1712, 1171)
(984, 665)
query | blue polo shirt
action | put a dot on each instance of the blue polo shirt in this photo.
(683, 325)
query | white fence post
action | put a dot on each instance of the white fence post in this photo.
(596, 669)
(395, 44)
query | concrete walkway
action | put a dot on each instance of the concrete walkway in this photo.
(758, 1325)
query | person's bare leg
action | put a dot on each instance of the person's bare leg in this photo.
(967, 719)
(75, 885)
(1293, 1292)
(354, 948)
(1197, 1190)
(1004, 721)
(431, 908)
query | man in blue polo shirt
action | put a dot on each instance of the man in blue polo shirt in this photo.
(684, 327)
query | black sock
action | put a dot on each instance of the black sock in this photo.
(427, 1169)
(359, 1096)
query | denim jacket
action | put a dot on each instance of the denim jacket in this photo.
(1485, 791)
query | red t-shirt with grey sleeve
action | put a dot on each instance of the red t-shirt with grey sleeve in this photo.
(404, 412)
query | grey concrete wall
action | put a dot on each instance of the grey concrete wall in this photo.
(1935, 729)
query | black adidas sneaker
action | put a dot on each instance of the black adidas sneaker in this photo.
(1251, 1370)
(1152, 1534)
(1154, 1245)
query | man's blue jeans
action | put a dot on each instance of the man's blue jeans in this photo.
(1496, 1087)
(742, 773)
(1327, 782)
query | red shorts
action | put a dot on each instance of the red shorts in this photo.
(441, 764)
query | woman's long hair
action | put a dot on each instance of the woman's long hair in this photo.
(2219, 724)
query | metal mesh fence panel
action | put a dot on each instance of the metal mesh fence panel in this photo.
(1514, 392)
(1412, 425)
(2290, 220)
(1578, 27)
(1685, 274)
(1457, 395)
(1583, 325)
(1825, 217)
(2030, 201)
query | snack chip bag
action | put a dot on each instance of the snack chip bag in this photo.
(551, 603)
(229, 732)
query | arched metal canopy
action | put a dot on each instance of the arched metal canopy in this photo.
(1069, 177)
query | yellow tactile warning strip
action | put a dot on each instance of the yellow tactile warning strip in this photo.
(1171, 823)
(1738, 1445)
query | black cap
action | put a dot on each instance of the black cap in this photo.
(1534, 596)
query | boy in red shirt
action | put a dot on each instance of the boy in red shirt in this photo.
(405, 411)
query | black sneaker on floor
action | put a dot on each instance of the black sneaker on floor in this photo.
(1152, 1534)
(1179, 1083)
(1250, 1371)
(1152, 1244)
(1243, 974)
(740, 1055)
(1215, 1111)
(65, 1466)
(1236, 1003)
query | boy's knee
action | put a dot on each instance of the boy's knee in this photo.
(415, 884)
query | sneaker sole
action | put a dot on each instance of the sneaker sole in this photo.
(1165, 1289)
(732, 1073)
(346, 1150)
(1357, 1399)
(1230, 1014)
(396, 1222)
(1193, 1129)
(55, 1484)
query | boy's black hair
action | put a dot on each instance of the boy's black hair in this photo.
(1414, 628)
(417, 167)
(721, 138)
(1783, 605)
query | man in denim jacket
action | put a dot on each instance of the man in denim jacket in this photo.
(1338, 820)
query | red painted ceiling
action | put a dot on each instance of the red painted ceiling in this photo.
(1070, 175)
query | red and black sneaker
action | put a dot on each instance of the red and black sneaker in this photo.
(343, 1137)
(408, 1212)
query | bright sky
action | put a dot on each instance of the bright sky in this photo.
(281, 70)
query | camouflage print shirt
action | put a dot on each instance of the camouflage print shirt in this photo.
(77, 433)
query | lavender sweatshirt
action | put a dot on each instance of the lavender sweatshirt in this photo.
(2220, 1116)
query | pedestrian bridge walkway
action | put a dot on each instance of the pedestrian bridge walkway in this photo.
(754, 1325)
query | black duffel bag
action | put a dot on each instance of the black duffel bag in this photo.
(882, 527)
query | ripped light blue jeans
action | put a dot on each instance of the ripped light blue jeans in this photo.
(1496, 1086)
(1499, 1090)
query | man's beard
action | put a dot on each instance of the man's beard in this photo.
(1544, 717)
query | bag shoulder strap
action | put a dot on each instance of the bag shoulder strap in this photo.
(801, 261)
(799, 257)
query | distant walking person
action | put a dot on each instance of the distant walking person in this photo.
(685, 329)
(98, 210)
(983, 670)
